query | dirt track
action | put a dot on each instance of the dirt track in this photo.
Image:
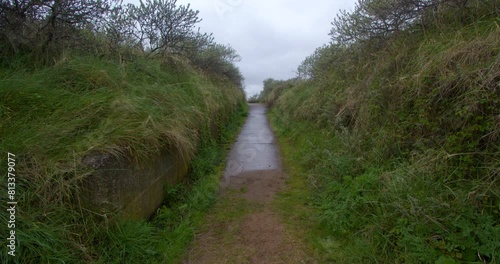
(243, 227)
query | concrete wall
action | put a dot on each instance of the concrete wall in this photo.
(117, 185)
(132, 191)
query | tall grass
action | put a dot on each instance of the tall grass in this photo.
(165, 238)
(53, 116)
(367, 211)
(403, 160)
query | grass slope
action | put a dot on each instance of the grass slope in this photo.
(52, 116)
(403, 163)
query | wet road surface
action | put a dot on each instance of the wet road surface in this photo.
(252, 177)
(254, 161)
(255, 148)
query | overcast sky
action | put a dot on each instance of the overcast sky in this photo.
(272, 37)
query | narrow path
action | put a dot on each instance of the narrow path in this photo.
(243, 227)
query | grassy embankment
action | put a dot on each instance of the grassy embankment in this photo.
(403, 163)
(53, 115)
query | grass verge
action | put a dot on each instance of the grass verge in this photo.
(398, 144)
(354, 210)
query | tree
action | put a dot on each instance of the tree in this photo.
(161, 25)
(373, 19)
(31, 24)
(154, 27)
(219, 59)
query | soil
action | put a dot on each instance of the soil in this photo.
(244, 227)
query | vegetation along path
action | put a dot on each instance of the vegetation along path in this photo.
(244, 226)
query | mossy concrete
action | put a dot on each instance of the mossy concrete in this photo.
(133, 191)
(121, 187)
